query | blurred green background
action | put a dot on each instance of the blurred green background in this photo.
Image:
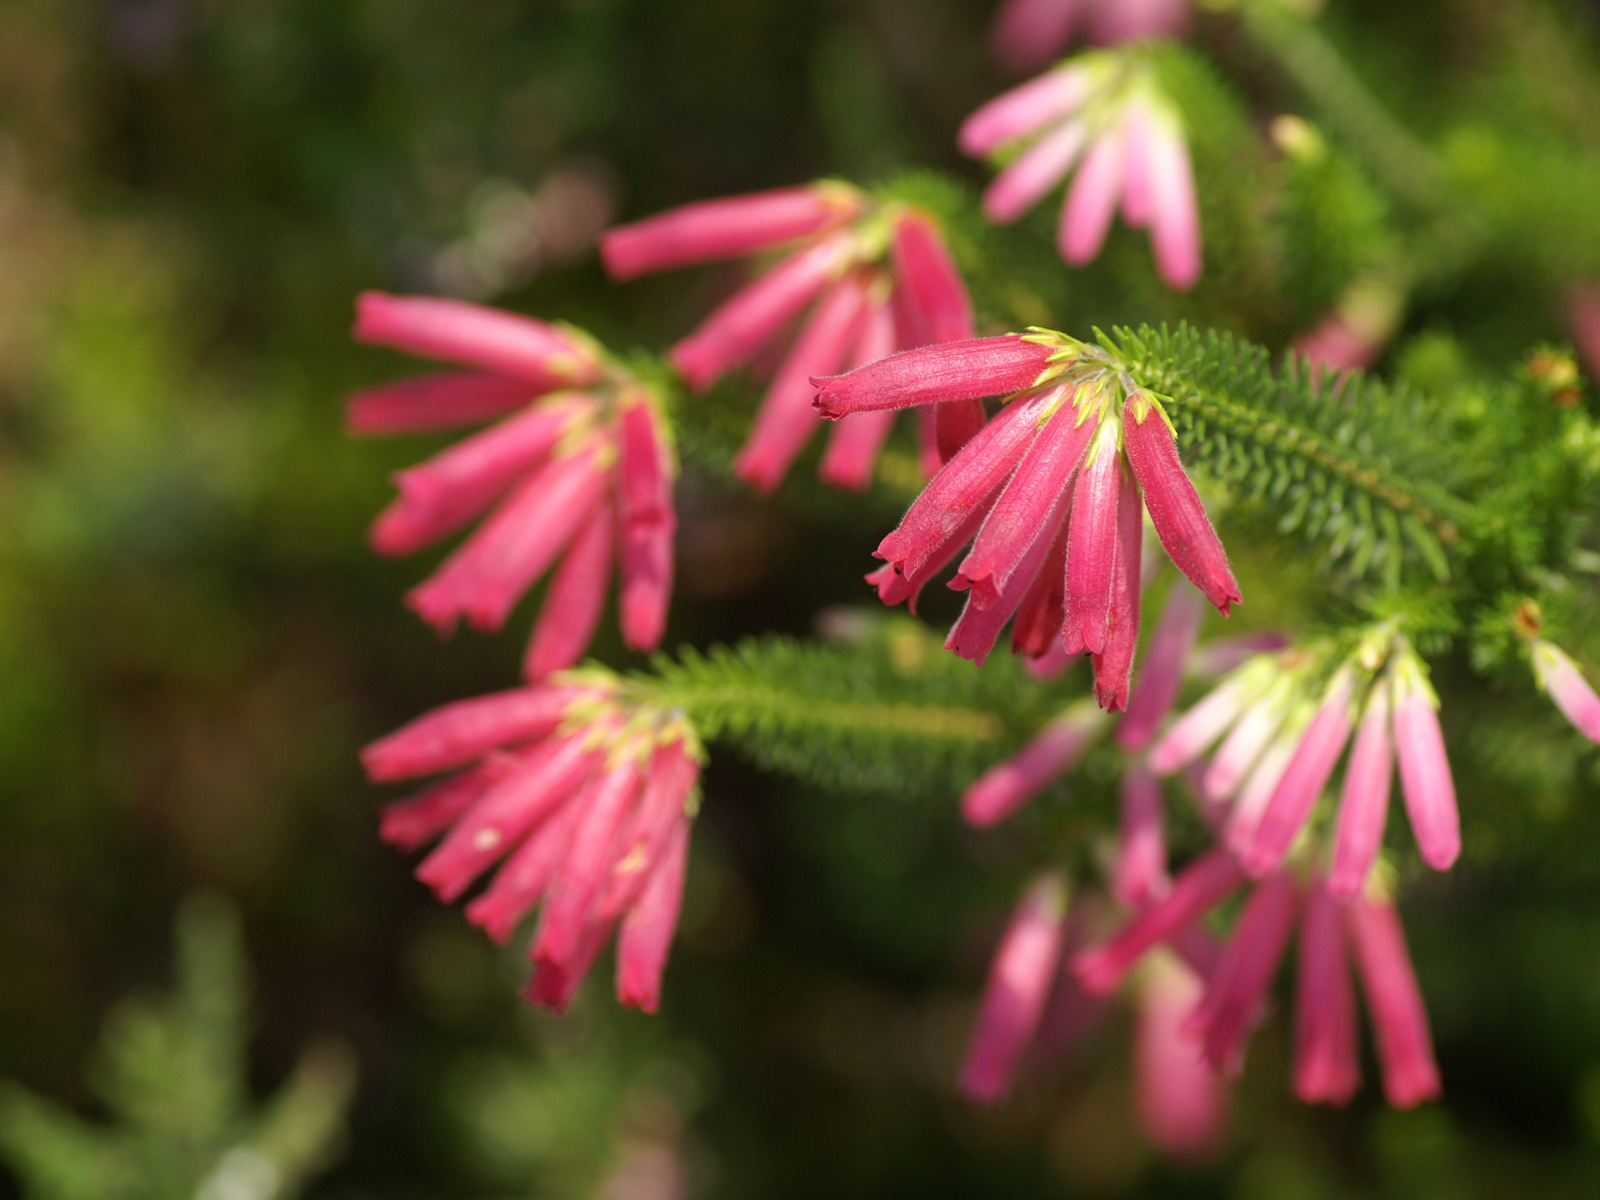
(194, 640)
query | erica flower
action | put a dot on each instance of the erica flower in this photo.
(1105, 118)
(1010, 784)
(1235, 998)
(1051, 494)
(578, 468)
(1572, 693)
(875, 277)
(1027, 34)
(1352, 337)
(1182, 1103)
(582, 797)
(1284, 722)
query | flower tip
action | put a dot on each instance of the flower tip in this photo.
(694, 363)
(1096, 973)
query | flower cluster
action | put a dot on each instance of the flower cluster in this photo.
(578, 467)
(1283, 721)
(1027, 34)
(1235, 996)
(1104, 115)
(876, 278)
(1051, 494)
(582, 795)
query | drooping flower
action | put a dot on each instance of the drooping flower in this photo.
(1236, 990)
(876, 277)
(582, 795)
(1103, 115)
(1027, 34)
(1032, 1008)
(578, 468)
(1560, 677)
(1182, 1100)
(1008, 785)
(1353, 335)
(1284, 721)
(1051, 494)
(1020, 978)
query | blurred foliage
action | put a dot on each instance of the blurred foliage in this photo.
(173, 1075)
(194, 640)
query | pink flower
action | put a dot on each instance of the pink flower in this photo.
(568, 482)
(1425, 780)
(1020, 978)
(1182, 1100)
(1008, 785)
(1352, 337)
(1236, 991)
(1027, 34)
(1399, 1021)
(1195, 891)
(1364, 802)
(1139, 876)
(582, 797)
(1326, 1065)
(1127, 144)
(862, 278)
(1054, 488)
(1162, 675)
(1573, 695)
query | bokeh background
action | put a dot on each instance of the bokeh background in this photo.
(194, 640)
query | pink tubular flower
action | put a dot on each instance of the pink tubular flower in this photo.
(1573, 695)
(1182, 1100)
(1140, 875)
(568, 482)
(1235, 996)
(1020, 977)
(1027, 34)
(1303, 779)
(1162, 675)
(1326, 1065)
(1127, 144)
(1050, 494)
(1197, 889)
(1425, 779)
(1007, 786)
(1405, 1048)
(875, 277)
(583, 797)
(1364, 803)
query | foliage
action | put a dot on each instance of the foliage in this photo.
(174, 1076)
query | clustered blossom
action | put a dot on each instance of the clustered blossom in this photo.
(1105, 118)
(1051, 494)
(875, 277)
(1235, 995)
(1027, 34)
(581, 795)
(1031, 1001)
(1283, 722)
(578, 467)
